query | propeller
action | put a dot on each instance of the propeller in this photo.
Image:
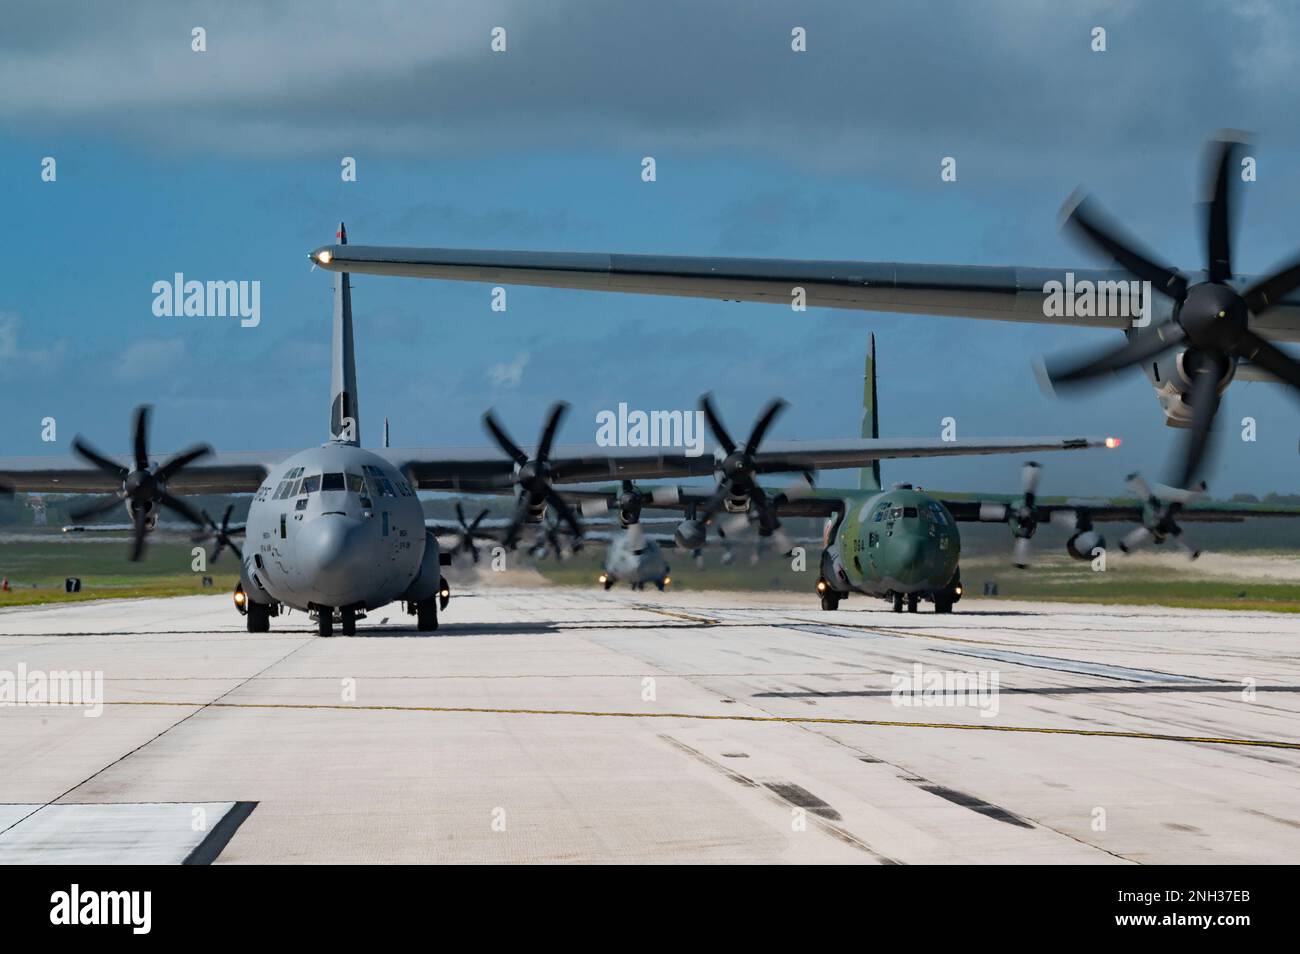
(1159, 515)
(550, 539)
(466, 542)
(534, 476)
(1210, 318)
(1021, 515)
(222, 534)
(143, 488)
(738, 471)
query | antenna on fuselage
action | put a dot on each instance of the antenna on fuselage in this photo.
(344, 422)
(385, 432)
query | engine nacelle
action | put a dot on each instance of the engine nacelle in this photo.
(690, 534)
(147, 506)
(1171, 377)
(428, 580)
(1081, 545)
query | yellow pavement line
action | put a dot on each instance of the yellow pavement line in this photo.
(799, 720)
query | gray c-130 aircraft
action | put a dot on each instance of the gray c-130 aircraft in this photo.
(1199, 331)
(338, 530)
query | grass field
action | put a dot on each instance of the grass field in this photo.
(1178, 582)
(36, 571)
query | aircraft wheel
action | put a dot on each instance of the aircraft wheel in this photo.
(426, 616)
(609, 582)
(830, 601)
(898, 602)
(259, 617)
(912, 600)
(324, 621)
(942, 605)
(349, 621)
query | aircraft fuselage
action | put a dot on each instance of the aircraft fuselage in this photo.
(335, 526)
(896, 542)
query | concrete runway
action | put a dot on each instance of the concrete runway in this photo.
(560, 725)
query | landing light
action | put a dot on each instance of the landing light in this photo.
(324, 257)
(821, 586)
(667, 580)
(602, 578)
(239, 597)
(1113, 442)
(959, 591)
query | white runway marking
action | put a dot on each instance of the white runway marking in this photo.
(158, 834)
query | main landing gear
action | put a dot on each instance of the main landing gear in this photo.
(426, 616)
(259, 617)
(830, 597)
(913, 599)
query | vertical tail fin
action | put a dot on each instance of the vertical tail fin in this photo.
(344, 423)
(869, 477)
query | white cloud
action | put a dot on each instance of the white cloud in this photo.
(149, 357)
(508, 375)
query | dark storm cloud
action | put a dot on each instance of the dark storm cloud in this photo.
(878, 79)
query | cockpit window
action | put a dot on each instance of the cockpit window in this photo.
(310, 484)
(332, 482)
(356, 484)
(909, 512)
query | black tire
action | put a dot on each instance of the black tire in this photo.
(830, 601)
(609, 583)
(349, 626)
(912, 601)
(426, 616)
(259, 617)
(942, 605)
(898, 602)
(325, 621)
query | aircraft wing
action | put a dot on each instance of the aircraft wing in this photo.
(1001, 293)
(1106, 512)
(216, 474)
(483, 470)
(813, 503)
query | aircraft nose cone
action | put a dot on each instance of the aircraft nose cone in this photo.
(906, 555)
(332, 558)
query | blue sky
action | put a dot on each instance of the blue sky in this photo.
(225, 165)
